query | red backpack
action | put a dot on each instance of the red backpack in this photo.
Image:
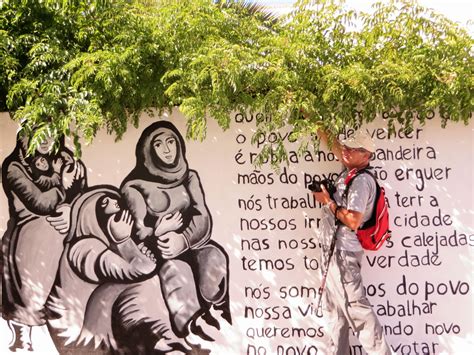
(373, 233)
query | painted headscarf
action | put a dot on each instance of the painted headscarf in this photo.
(19, 154)
(84, 218)
(150, 167)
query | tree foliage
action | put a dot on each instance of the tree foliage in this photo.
(73, 67)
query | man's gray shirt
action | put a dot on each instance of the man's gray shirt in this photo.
(360, 198)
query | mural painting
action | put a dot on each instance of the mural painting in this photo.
(40, 191)
(154, 245)
(129, 270)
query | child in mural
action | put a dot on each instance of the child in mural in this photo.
(33, 242)
(172, 219)
(46, 175)
(105, 298)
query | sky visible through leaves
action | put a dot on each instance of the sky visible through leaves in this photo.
(457, 10)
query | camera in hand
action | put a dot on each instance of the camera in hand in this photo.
(315, 186)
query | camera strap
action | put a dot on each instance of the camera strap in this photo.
(331, 250)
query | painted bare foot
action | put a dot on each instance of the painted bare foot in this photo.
(21, 337)
(173, 346)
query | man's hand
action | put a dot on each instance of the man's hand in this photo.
(330, 142)
(322, 197)
(172, 244)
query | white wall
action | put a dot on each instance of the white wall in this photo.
(442, 289)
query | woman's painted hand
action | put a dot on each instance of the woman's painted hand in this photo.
(72, 173)
(57, 165)
(172, 244)
(169, 223)
(62, 221)
(121, 229)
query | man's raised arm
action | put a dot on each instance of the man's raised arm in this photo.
(334, 145)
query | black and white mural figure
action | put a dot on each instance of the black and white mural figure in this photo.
(40, 189)
(172, 219)
(107, 297)
(130, 271)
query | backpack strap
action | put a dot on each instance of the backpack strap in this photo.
(350, 178)
(353, 174)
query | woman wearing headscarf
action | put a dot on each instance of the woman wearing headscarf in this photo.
(105, 299)
(39, 189)
(171, 217)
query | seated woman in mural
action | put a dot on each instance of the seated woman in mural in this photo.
(172, 219)
(105, 298)
(39, 188)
